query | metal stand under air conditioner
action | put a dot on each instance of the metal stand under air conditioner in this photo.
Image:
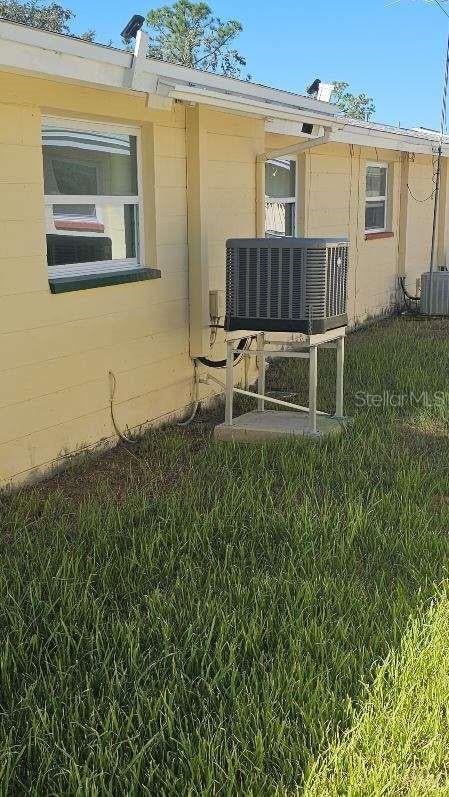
(295, 419)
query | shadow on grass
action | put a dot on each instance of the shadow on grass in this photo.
(213, 635)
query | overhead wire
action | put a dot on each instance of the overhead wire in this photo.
(440, 151)
(436, 157)
(440, 6)
(436, 162)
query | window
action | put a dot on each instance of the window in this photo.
(280, 197)
(92, 199)
(376, 197)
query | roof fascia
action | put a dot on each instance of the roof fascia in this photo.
(362, 136)
(66, 45)
(249, 106)
(233, 86)
(47, 55)
(393, 141)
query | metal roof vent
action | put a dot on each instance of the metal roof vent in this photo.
(286, 284)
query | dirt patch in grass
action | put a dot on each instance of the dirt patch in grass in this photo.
(128, 467)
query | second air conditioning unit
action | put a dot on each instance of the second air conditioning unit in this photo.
(435, 293)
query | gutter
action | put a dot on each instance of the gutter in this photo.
(264, 109)
(383, 139)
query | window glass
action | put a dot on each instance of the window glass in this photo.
(280, 197)
(91, 200)
(114, 237)
(91, 164)
(74, 211)
(376, 197)
(280, 178)
(376, 181)
(375, 215)
(279, 218)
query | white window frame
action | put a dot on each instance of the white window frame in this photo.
(285, 200)
(377, 165)
(102, 266)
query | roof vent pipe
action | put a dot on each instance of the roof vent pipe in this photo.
(320, 91)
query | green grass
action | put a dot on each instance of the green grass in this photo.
(220, 619)
(399, 743)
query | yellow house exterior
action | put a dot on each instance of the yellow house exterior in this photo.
(203, 143)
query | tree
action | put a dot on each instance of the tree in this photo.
(357, 106)
(33, 13)
(187, 33)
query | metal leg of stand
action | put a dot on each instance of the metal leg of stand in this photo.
(229, 381)
(261, 365)
(313, 378)
(340, 371)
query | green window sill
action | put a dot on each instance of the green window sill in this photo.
(85, 281)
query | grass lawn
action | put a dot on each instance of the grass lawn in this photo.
(195, 618)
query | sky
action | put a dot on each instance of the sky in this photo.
(392, 51)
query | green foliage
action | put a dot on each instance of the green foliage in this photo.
(35, 14)
(187, 33)
(356, 106)
(214, 624)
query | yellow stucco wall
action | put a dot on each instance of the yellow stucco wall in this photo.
(335, 205)
(56, 350)
(419, 216)
(331, 202)
(232, 144)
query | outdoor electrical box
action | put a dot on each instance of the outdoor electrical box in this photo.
(286, 284)
(214, 304)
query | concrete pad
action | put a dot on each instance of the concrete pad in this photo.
(272, 424)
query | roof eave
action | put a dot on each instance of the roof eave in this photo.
(38, 52)
(30, 50)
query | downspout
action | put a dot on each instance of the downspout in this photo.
(139, 59)
(296, 149)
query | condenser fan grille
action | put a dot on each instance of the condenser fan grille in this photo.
(286, 284)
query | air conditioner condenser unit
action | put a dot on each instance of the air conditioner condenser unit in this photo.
(286, 284)
(435, 293)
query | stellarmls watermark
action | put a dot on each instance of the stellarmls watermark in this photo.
(439, 398)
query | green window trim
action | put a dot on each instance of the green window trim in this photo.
(85, 281)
